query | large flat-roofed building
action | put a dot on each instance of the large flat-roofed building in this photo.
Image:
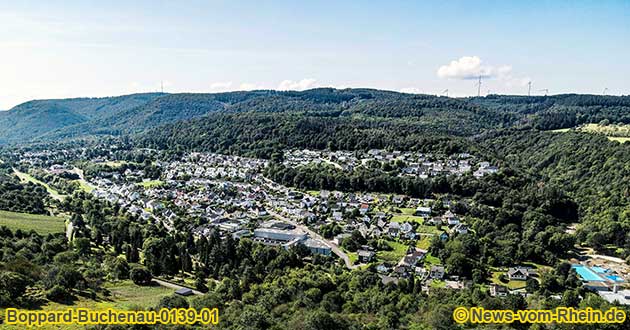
(317, 246)
(288, 236)
(273, 234)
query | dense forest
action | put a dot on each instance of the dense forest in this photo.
(594, 170)
(20, 197)
(55, 119)
(261, 135)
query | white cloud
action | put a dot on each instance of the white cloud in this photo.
(249, 87)
(410, 90)
(221, 86)
(471, 67)
(301, 85)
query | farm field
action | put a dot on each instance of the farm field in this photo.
(42, 224)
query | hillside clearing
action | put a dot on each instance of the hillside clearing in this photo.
(25, 177)
(42, 224)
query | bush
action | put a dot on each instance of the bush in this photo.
(58, 294)
(173, 301)
(140, 275)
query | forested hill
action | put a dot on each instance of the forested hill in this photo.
(55, 119)
(594, 170)
(36, 118)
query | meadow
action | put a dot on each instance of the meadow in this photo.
(42, 224)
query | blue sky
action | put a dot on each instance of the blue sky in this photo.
(52, 49)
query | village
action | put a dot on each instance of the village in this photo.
(409, 163)
(202, 192)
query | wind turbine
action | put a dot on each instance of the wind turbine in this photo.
(529, 88)
(445, 92)
(544, 90)
(479, 87)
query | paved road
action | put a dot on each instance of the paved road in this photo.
(174, 286)
(334, 248)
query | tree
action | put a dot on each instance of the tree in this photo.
(531, 285)
(58, 294)
(353, 242)
(117, 268)
(208, 300)
(82, 246)
(172, 301)
(14, 284)
(140, 275)
(321, 320)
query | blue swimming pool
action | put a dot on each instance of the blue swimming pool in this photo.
(615, 278)
(587, 274)
(599, 270)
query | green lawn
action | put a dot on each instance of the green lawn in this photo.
(515, 285)
(353, 256)
(512, 285)
(25, 177)
(407, 210)
(151, 184)
(431, 260)
(429, 230)
(115, 163)
(424, 242)
(42, 224)
(84, 185)
(406, 218)
(124, 296)
(437, 284)
(393, 256)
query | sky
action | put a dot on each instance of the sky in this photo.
(60, 49)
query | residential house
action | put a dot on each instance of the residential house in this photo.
(450, 218)
(366, 256)
(423, 211)
(460, 229)
(498, 290)
(518, 273)
(436, 272)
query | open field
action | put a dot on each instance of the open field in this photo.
(25, 177)
(619, 139)
(84, 185)
(151, 184)
(115, 163)
(407, 218)
(619, 133)
(424, 242)
(393, 256)
(124, 296)
(42, 224)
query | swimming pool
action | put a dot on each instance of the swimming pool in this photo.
(599, 270)
(615, 278)
(587, 274)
